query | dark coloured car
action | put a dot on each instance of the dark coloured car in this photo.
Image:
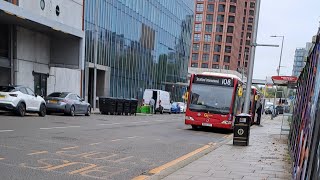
(67, 103)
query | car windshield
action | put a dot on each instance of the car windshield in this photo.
(7, 89)
(208, 98)
(174, 104)
(58, 95)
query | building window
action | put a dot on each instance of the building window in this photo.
(246, 64)
(206, 48)
(215, 66)
(194, 65)
(241, 42)
(216, 58)
(227, 59)
(196, 47)
(232, 9)
(230, 29)
(239, 55)
(210, 7)
(228, 49)
(248, 42)
(204, 65)
(205, 57)
(231, 19)
(246, 49)
(245, 4)
(197, 27)
(227, 67)
(209, 28)
(209, 18)
(249, 28)
(251, 13)
(199, 17)
(222, 0)
(244, 20)
(217, 48)
(222, 8)
(220, 18)
(250, 20)
(242, 34)
(252, 5)
(233, 1)
(245, 12)
(195, 56)
(229, 39)
(219, 28)
(218, 38)
(196, 37)
(207, 38)
(200, 0)
(200, 7)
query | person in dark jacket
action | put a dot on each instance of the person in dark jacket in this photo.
(259, 111)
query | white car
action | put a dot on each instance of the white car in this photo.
(182, 107)
(20, 99)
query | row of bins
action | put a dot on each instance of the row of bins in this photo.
(117, 106)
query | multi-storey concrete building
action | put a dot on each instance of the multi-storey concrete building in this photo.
(300, 59)
(222, 34)
(42, 45)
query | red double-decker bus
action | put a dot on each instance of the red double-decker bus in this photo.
(213, 100)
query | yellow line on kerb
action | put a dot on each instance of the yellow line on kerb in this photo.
(142, 177)
(182, 158)
(37, 152)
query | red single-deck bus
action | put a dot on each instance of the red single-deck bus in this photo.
(213, 100)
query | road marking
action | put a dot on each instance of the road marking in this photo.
(92, 144)
(83, 169)
(182, 158)
(6, 131)
(63, 127)
(114, 140)
(61, 166)
(109, 124)
(132, 137)
(142, 177)
(72, 147)
(1, 158)
(37, 152)
(140, 122)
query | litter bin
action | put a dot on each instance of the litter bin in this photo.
(107, 105)
(126, 107)
(241, 130)
(145, 109)
(120, 105)
(133, 106)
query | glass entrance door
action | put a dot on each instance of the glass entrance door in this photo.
(40, 84)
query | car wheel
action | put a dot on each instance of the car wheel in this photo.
(72, 111)
(88, 111)
(21, 110)
(43, 110)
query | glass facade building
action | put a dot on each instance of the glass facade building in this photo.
(145, 43)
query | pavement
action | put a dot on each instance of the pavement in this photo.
(96, 147)
(265, 158)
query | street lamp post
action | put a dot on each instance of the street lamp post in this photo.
(278, 70)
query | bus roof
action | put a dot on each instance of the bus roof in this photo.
(222, 75)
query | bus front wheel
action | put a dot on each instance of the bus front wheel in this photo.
(194, 127)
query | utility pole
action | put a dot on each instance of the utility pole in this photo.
(95, 58)
(252, 57)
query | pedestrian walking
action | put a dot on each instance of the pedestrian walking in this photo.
(259, 112)
(152, 105)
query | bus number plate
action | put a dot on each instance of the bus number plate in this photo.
(207, 124)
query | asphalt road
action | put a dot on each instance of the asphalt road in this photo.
(95, 147)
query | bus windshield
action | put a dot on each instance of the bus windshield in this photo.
(209, 98)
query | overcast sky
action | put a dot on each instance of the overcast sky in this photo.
(297, 20)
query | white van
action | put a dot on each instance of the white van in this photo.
(162, 99)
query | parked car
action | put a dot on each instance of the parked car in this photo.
(162, 100)
(268, 109)
(175, 108)
(21, 99)
(67, 103)
(182, 107)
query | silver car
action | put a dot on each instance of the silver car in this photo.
(67, 103)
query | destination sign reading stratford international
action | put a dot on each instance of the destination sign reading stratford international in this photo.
(213, 80)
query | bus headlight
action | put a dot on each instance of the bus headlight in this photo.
(226, 122)
(189, 118)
